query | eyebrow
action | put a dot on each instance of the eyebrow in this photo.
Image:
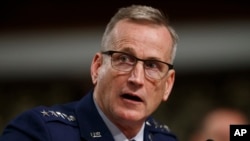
(128, 50)
(131, 51)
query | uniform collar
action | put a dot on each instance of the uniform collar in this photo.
(93, 128)
(91, 125)
(116, 132)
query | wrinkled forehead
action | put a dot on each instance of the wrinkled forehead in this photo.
(141, 36)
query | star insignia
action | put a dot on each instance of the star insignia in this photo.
(148, 123)
(58, 115)
(45, 113)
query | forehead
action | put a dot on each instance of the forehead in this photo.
(143, 37)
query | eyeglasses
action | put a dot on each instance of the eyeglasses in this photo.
(125, 62)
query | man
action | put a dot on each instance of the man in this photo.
(132, 75)
(216, 124)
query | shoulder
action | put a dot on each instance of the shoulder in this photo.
(63, 114)
(158, 131)
(42, 123)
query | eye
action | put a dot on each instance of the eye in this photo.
(153, 65)
(124, 58)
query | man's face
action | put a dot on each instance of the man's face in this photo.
(132, 96)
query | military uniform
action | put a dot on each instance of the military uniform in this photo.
(76, 121)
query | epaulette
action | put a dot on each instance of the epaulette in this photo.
(157, 131)
(156, 126)
(50, 114)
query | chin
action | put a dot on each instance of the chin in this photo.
(131, 116)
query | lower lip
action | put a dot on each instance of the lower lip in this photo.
(131, 101)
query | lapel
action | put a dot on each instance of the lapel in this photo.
(92, 127)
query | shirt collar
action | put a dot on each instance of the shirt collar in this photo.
(116, 132)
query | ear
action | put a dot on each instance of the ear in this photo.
(95, 65)
(169, 84)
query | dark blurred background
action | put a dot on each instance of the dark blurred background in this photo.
(46, 48)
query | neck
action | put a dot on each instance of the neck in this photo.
(128, 129)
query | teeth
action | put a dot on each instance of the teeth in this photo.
(131, 97)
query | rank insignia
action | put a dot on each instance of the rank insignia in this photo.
(57, 114)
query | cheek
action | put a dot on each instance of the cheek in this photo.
(104, 79)
(157, 90)
(105, 75)
(101, 72)
(153, 103)
(108, 81)
(156, 94)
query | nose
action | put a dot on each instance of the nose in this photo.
(137, 74)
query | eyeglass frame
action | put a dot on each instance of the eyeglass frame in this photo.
(111, 52)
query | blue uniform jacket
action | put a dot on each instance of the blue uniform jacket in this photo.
(76, 121)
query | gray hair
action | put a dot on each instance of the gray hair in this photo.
(140, 13)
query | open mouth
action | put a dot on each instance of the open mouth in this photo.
(132, 97)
